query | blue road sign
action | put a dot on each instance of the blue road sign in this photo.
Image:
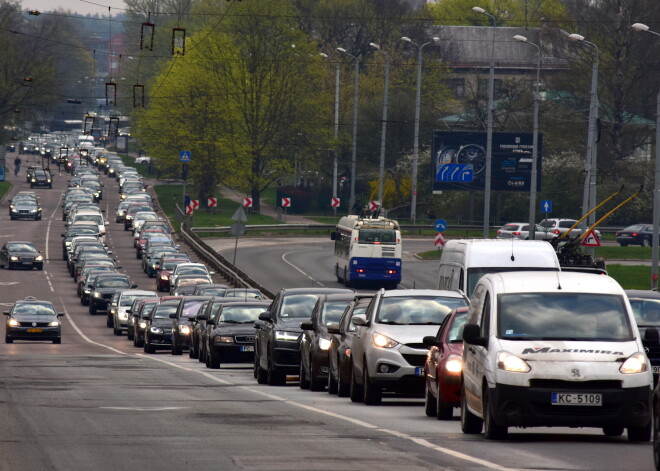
(546, 206)
(440, 225)
(185, 156)
(462, 173)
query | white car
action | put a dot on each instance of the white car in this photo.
(120, 312)
(520, 230)
(557, 226)
(189, 269)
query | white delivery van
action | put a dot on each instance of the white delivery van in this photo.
(554, 350)
(464, 261)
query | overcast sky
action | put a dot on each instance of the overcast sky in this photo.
(81, 7)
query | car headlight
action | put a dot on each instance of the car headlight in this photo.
(97, 295)
(34, 180)
(382, 341)
(164, 277)
(223, 339)
(54, 324)
(156, 330)
(33, 210)
(14, 258)
(143, 325)
(288, 336)
(454, 364)
(509, 362)
(635, 363)
(13, 323)
(324, 344)
(122, 315)
(38, 258)
(184, 329)
(87, 290)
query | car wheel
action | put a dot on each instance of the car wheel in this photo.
(646, 242)
(109, 321)
(640, 434)
(57, 341)
(656, 439)
(443, 410)
(116, 331)
(302, 382)
(201, 356)
(214, 361)
(148, 348)
(275, 376)
(92, 308)
(135, 341)
(492, 430)
(430, 404)
(623, 245)
(192, 351)
(8, 340)
(372, 393)
(355, 391)
(40, 267)
(314, 383)
(262, 375)
(343, 388)
(129, 334)
(613, 431)
(332, 382)
(470, 423)
(176, 348)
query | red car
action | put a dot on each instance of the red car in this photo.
(164, 271)
(444, 365)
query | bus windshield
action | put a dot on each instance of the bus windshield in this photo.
(377, 236)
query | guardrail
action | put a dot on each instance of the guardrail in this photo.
(221, 265)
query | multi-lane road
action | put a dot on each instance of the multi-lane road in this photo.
(96, 402)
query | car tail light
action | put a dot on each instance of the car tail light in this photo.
(516, 233)
(556, 231)
(391, 272)
(359, 270)
(634, 234)
(499, 232)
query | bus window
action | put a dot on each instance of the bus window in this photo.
(376, 236)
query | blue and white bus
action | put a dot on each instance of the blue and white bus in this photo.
(367, 249)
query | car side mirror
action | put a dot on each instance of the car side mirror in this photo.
(134, 285)
(472, 335)
(307, 325)
(257, 324)
(211, 273)
(333, 328)
(266, 317)
(430, 341)
(210, 322)
(6, 313)
(173, 315)
(651, 336)
(60, 314)
(360, 320)
(201, 317)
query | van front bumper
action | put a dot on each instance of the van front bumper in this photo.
(517, 406)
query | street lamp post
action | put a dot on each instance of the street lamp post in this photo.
(381, 168)
(589, 190)
(535, 140)
(413, 199)
(656, 186)
(336, 158)
(489, 131)
(351, 200)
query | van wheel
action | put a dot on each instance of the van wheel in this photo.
(356, 389)
(492, 430)
(640, 434)
(613, 431)
(470, 423)
(373, 394)
(430, 405)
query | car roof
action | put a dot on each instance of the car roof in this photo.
(552, 281)
(642, 293)
(422, 292)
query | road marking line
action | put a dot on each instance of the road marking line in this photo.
(298, 269)
(143, 409)
(85, 338)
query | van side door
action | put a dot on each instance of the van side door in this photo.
(474, 356)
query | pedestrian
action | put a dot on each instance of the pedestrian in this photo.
(17, 165)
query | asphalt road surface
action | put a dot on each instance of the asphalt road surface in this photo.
(96, 402)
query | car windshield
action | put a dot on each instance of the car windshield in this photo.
(113, 283)
(416, 310)
(33, 309)
(376, 236)
(21, 247)
(212, 291)
(127, 300)
(647, 311)
(243, 293)
(332, 311)
(169, 265)
(96, 218)
(565, 316)
(194, 270)
(455, 329)
(164, 311)
(240, 315)
(190, 308)
(298, 305)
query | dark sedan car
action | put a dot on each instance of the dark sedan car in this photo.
(41, 177)
(200, 331)
(646, 307)
(637, 234)
(140, 317)
(182, 323)
(231, 333)
(31, 319)
(20, 254)
(315, 340)
(158, 332)
(277, 349)
(444, 365)
(25, 208)
(103, 289)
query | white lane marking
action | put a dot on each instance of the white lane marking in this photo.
(8, 283)
(298, 269)
(50, 285)
(144, 409)
(50, 220)
(85, 338)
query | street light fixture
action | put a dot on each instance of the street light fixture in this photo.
(336, 156)
(381, 168)
(535, 140)
(656, 188)
(413, 199)
(351, 200)
(589, 189)
(489, 131)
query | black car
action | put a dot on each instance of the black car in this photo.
(132, 321)
(646, 307)
(637, 234)
(41, 177)
(215, 289)
(231, 333)
(141, 320)
(341, 341)
(315, 340)
(182, 323)
(20, 254)
(32, 319)
(104, 287)
(25, 208)
(277, 350)
(200, 327)
(28, 174)
(158, 331)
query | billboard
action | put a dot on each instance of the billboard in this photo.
(459, 161)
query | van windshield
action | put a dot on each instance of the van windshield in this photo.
(475, 274)
(562, 316)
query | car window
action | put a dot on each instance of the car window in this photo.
(21, 247)
(164, 311)
(33, 309)
(243, 315)
(455, 329)
(113, 283)
(416, 310)
(190, 308)
(332, 311)
(647, 311)
(298, 305)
